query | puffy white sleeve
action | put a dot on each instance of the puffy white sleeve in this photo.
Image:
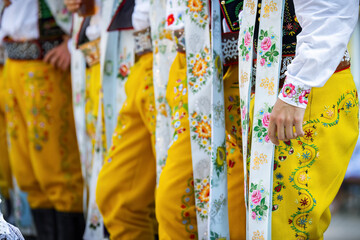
(140, 16)
(327, 26)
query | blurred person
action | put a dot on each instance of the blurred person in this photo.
(8, 231)
(43, 150)
(128, 209)
(86, 37)
(5, 169)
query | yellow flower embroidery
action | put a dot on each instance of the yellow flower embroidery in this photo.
(258, 236)
(268, 84)
(203, 129)
(195, 5)
(259, 160)
(269, 7)
(205, 193)
(199, 68)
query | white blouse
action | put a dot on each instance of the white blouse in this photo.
(327, 26)
(140, 16)
(20, 20)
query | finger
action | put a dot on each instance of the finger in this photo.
(64, 64)
(289, 131)
(60, 63)
(280, 131)
(298, 128)
(49, 55)
(53, 61)
(272, 133)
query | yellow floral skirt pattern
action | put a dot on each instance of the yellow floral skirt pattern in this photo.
(126, 184)
(43, 147)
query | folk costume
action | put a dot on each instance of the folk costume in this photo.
(88, 108)
(43, 149)
(292, 185)
(128, 209)
(183, 200)
(5, 169)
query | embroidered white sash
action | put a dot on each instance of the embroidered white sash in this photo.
(164, 54)
(198, 59)
(259, 190)
(219, 220)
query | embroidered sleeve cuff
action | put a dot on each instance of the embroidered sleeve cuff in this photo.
(295, 93)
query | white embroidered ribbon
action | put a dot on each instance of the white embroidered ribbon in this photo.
(198, 59)
(219, 220)
(262, 150)
(164, 54)
(247, 19)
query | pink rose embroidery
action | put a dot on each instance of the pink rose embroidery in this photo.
(253, 215)
(243, 113)
(256, 197)
(247, 39)
(266, 44)
(266, 119)
(304, 96)
(288, 90)
(262, 62)
(267, 139)
(247, 57)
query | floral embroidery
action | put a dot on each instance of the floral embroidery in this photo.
(202, 194)
(220, 159)
(95, 218)
(295, 94)
(198, 12)
(258, 235)
(199, 69)
(258, 206)
(185, 206)
(246, 43)
(170, 19)
(289, 90)
(268, 84)
(180, 110)
(244, 116)
(251, 5)
(244, 78)
(269, 7)
(259, 160)
(307, 155)
(124, 71)
(216, 236)
(268, 52)
(262, 125)
(201, 125)
(39, 88)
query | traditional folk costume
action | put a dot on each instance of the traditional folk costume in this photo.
(43, 149)
(88, 107)
(290, 189)
(5, 169)
(178, 202)
(128, 209)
